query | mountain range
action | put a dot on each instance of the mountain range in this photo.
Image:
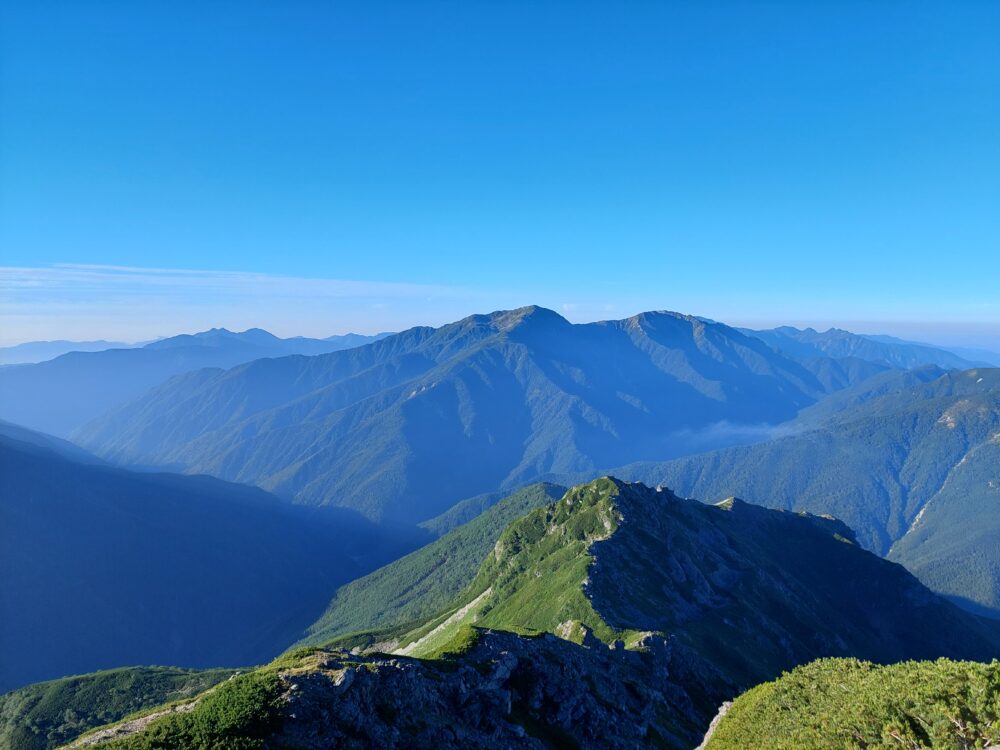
(60, 395)
(909, 460)
(31, 352)
(612, 614)
(619, 617)
(806, 344)
(404, 427)
(102, 567)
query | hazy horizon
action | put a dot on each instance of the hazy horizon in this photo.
(106, 303)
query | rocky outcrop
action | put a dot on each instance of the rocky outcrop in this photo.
(506, 691)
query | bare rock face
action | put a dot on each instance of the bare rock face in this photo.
(506, 691)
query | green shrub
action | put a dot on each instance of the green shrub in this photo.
(48, 714)
(845, 703)
(238, 715)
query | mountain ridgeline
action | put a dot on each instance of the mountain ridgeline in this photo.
(60, 395)
(418, 585)
(619, 617)
(753, 590)
(31, 352)
(404, 427)
(612, 614)
(809, 344)
(913, 466)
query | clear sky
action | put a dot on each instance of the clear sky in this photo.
(313, 168)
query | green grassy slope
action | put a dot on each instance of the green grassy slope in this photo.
(49, 714)
(844, 703)
(237, 715)
(754, 591)
(952, 546)
(426, 581)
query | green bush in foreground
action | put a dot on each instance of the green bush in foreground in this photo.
(237, 715)
(846, 703)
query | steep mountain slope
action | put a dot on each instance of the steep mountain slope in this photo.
(951, 545)
(913, 470)
(837, 343)
(427, 580)
(49, 714)
(60, 395)
(753, 590)
(837, 703)
(101, 567)
(694, 601)
(405, 427)
(59, 446)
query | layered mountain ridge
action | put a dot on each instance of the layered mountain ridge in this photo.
(910, 463)
(404, 427)
(809, 343)
(60, 395)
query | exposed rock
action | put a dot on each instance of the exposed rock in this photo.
(507, 691)
(723, 710)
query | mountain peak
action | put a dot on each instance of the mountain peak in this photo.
(618, 561)
(530, 315)
(652, 315)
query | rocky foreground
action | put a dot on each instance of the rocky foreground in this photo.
(505, 691)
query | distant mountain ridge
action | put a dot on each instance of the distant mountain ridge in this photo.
(221, 337)
(60, 395)
(63, 448)
(404, 427)
(991, 358)
(809, 343)
(31, 352)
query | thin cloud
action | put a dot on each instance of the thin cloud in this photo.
(78, 278)
(133, 303)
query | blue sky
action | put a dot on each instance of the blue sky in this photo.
(318, 167)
